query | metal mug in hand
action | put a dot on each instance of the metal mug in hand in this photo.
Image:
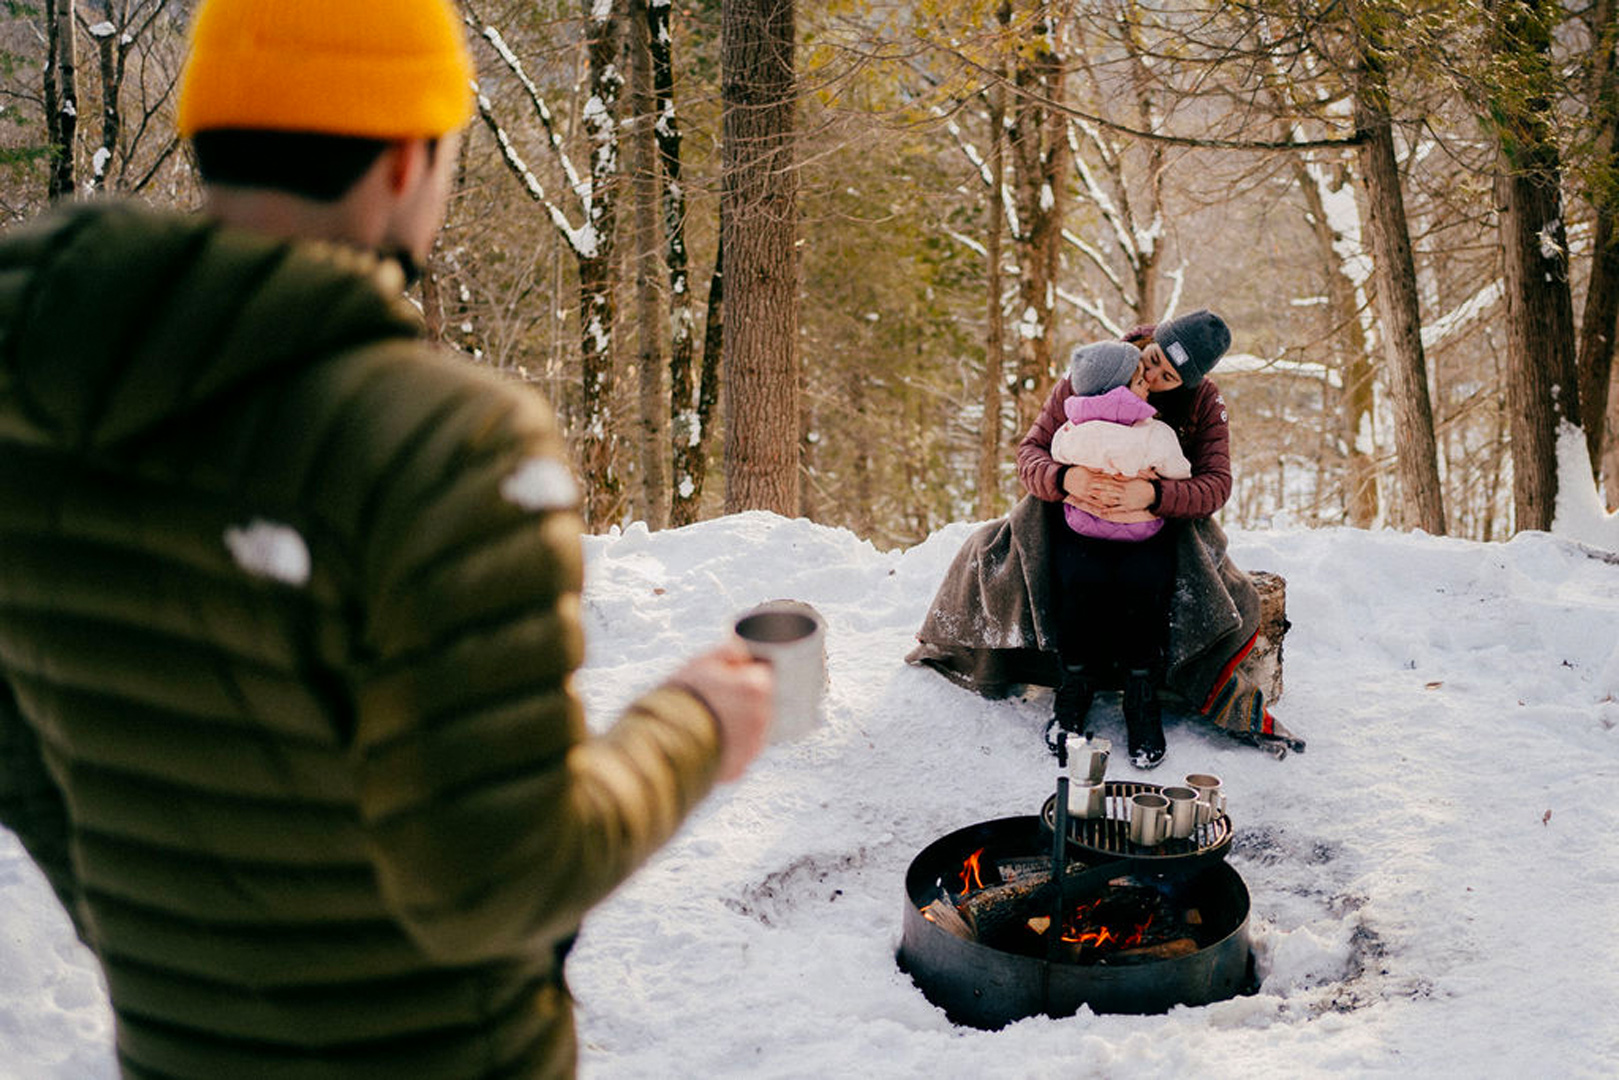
(1210, 797)
(1183, 807)
(1087, 799)
(1087, 759)
(1149, 819)
(791, 636)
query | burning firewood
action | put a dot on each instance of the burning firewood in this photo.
(989, 911)
(1166, 950)
(944, 914)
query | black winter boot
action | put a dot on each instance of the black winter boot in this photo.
(1070, 704)
(1143, 719)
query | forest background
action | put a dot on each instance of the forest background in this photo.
(1405, 210)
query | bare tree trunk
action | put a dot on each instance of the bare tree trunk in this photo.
(1356, 397)
(654, 404)
(690, 414)
(759, 230)
(1542, 384)
(1599, 322)
(1397, 306)
(1597, 332)
(61, 95)
(1038, 141)
(600, 442)
(990, 443)
(110, 44)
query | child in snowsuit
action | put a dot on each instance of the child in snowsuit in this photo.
(1113, 429)
(1126, 559)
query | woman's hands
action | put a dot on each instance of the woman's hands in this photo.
(1104, 494)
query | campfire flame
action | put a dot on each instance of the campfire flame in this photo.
(1080, 929)
(971, 876)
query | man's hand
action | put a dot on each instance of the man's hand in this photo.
(738, 688)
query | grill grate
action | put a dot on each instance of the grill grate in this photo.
(1109, 836)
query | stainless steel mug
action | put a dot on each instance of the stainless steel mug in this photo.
(1183, 804)
(791, 636)
(1149, 819)
(1209, 794)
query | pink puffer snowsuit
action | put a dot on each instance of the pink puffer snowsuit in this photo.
(1115, 432)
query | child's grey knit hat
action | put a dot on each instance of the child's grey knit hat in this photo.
(1101, 366)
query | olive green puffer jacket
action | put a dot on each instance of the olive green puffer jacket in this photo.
(288, 612)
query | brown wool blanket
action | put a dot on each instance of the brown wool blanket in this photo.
(990, 629)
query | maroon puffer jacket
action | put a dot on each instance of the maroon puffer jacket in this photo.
(1205, 438)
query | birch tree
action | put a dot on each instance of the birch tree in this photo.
(135, 140)
(594, 202)
(61, 95)
(693, 395)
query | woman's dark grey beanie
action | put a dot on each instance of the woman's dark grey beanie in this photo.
(1194, 343)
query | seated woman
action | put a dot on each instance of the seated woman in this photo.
(1016, 592)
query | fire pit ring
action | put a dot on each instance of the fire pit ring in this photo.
(983, 986)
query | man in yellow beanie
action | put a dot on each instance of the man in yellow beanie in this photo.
(289, 604)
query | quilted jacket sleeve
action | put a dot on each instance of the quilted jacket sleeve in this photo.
(1207, 443)
(31, 805)
(1035, 466)
(495, 820)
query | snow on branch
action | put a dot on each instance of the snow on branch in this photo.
(1096, 257)
(514, 161)
(1094, 309)
(581, 188)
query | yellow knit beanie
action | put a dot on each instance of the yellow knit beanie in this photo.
(380, 69)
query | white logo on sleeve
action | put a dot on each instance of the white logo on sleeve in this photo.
(541, 484)
(270, 550)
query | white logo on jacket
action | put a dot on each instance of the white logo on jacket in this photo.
(541, 484)
(268, 549)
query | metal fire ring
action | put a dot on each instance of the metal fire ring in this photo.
(1108, 837)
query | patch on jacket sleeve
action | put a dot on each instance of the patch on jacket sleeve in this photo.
(270, 550)
(541, 484)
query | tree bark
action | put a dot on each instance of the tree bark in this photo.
(1397, 306)
(654, 420)
(600, 438)
(691, 411)
(1599, 322)
(1542, 384)
(61, 95)
(991, 448)
(1038, 144)
(759, 231)
(112, 53)
(1356, 400)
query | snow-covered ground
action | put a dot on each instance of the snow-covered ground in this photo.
(1435, 882)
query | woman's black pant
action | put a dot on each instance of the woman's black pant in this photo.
(1111, 597)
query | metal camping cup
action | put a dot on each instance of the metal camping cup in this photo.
(1087, 799)
(1149, 819)
(1209, 796)
(1183, 803)
(1087, 759)
(791, 636)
